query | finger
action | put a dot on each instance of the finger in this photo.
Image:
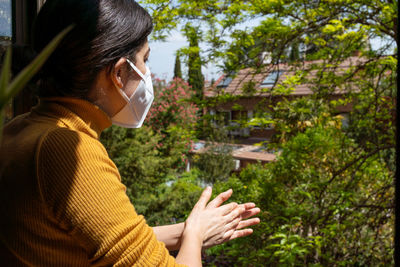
(247, 223)
(228, 208)
(228, 234)
(221, 198)
(204, 198)
(249, 213)
(235, 213)
(248, 206)
(241, 233)
(233, 224)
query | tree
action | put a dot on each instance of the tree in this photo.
(216, 163)
(196, 78)
(316, 209)
(177, 67)
(171, 106)
(294, 55)
(170, 202)
(173, 116)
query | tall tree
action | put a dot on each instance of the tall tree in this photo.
(294, 54)
(177, 68)
(196, 78)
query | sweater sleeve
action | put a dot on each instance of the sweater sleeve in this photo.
(82, 189)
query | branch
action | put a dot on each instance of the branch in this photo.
(351, 163)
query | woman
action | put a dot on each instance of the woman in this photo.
(61, 197)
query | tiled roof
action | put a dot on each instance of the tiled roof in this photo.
(249, 75)
(240, 152)
(248, 155)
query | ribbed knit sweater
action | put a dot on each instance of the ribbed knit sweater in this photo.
(62, 201)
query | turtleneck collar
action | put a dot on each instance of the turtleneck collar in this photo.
(91, 116)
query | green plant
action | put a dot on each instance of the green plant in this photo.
(9, 89)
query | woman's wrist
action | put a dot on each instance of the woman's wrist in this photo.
(193, 234)
(191, 245)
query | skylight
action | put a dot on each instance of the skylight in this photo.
(225, 82)
(272, 77)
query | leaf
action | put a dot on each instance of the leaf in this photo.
(29, 71)
(278, 235)
(5, 73)
(1, 123)
(4, 80)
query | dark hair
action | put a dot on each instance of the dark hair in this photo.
(104, 31)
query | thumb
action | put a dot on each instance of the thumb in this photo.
(221, 198)
(204, 198)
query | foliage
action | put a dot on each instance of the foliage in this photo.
(317, 208)
(177, 67)
(329, 29)
(215, 163)
(171, 106)
(196, 78)
(173, 117)
(171, 202)
(328, 199)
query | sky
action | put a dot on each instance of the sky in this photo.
(162, 58)
(5, 17)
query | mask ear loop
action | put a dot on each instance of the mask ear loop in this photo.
(136, 69)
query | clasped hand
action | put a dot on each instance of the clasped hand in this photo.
(215, 224)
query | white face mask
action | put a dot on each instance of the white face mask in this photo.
(134, 112)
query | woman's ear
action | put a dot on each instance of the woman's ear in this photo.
(118, 73)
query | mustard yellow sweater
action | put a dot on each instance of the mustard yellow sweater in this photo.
(62, 201)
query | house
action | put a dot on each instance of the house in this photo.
(250, 88)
